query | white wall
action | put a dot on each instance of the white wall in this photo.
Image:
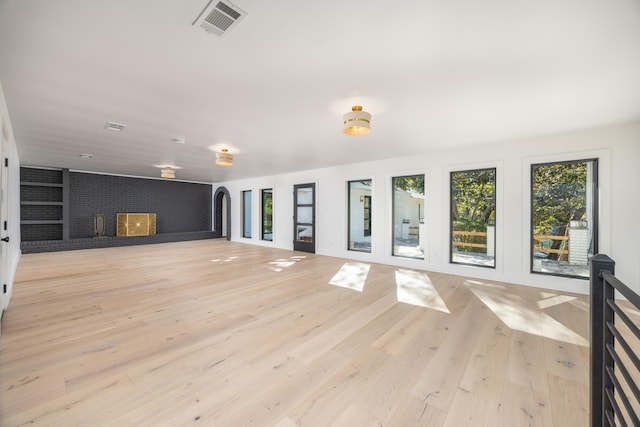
(12, 199)
(618, 151)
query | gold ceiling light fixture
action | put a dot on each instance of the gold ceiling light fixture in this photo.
(356, 121)
(168, 172)
(224, 158)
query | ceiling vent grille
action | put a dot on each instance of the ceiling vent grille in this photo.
(219, 17)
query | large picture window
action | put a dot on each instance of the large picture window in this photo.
(473, 210)
(267, 214)
(564, 221)
(360, 215)
(246, 213)
(408, 216)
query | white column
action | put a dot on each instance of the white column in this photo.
(491, 240)
(578, 243)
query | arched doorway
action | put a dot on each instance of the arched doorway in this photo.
(222, 213)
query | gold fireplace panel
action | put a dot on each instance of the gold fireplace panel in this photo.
(136, 224)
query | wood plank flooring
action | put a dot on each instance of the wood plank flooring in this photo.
(217, 333)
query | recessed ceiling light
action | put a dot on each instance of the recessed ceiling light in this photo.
(116, 127)
(85, 156)
(179, 140)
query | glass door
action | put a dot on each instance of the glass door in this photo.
(304, 216)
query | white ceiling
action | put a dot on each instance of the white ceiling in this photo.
(433, 74)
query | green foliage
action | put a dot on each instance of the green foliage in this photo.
(267, 213)
(469, 226)
(473, 197)
(559, 195)
(472, 205)
(414, 183)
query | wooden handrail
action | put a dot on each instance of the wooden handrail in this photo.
(538, 237)
(470, 233)
(551, 251)
(471, 245)
(549, 237)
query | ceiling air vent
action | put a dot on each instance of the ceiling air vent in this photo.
(219, 17)
(116, 127)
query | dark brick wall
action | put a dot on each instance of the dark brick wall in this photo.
(109, 242)
(39, 232)
(40, 212)
(179, 206)
(48, 176)
(29, 193)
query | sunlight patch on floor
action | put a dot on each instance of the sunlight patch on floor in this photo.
(282, 263)
(554, 300)
(415, 288)
(519, 315)
(351, 275)
(221, 260)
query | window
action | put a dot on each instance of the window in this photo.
(564, 222)
(360, 215)
(473, 210)
(267, 214)
(246, 213)
(408, 216)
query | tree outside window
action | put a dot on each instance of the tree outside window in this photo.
(473, 207)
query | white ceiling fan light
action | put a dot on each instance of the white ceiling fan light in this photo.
(224, 158)
(356, 121)
(168, 173)
(219, 17)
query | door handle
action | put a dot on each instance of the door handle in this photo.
(5, 239)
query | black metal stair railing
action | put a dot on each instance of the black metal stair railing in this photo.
(615, 342)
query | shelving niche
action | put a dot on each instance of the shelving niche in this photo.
(41, 204)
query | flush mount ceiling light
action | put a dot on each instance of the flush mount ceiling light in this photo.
(356, 121)
(116, 127)
(168, 172)
(224, 158)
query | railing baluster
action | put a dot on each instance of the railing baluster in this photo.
(634, 389)
(608, 341)
(599, 263)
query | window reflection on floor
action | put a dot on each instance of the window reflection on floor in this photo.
(520, 315)
(352, 275)
(415, 288)
(227, 259)
(282, 263)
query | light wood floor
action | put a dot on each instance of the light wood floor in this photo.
(216, 333)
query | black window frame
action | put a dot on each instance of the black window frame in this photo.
(393, 213)
(495, 214)
(596, 210)
(370, 181)
(244, 214)
(262, 214)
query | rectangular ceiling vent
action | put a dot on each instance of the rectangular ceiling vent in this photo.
(219, 17)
